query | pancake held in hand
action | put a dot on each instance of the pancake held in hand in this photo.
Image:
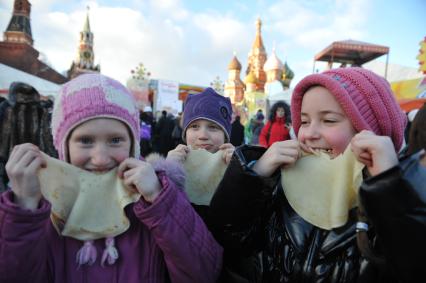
(204, 171)
(322, 190)
(85, 205)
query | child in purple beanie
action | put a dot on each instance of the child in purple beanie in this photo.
(339, 109)
(206, 125)
(95, 126)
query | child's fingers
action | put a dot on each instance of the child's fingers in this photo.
(306, 148)
(287, 161)
(226, 146)
(127, 164)
(21, 162)
(36, 163)
(20, 150)
(181, 156)
(365, 155)
(227, 155)
(131, 178)
(182, 147)
(366, 162)
(288, 151)
(129, 172)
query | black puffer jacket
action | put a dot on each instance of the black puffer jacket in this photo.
(396, 202)
(251, 214)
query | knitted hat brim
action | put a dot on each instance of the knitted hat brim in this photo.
(339, 93)
(208, 119)
(133, 138)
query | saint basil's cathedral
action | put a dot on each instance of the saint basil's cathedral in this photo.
(266, 79)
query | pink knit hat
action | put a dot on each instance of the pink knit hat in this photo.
(365, 97)
(84, 98)
(92, 96)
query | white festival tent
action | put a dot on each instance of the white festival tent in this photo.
(9, 75)
(275, 93)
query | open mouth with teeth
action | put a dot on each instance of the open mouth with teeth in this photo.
(317, 151)
(325, 150)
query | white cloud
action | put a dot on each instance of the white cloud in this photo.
(176, 44)
(310, 26)
(170, 41)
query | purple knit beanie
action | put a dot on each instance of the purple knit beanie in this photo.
(92, 96)
(208, 105)
(366, 98)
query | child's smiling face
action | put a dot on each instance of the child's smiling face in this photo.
(205, 134)
(324, 124)
(99, 145)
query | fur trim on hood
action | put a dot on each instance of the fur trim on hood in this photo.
(173, 169)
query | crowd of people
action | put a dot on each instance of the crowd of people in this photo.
(362, 221)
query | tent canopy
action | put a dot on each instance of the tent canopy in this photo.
(411, 94)
(351, 52)
(10, 75)
(410, 104)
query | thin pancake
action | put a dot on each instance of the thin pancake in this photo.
(323, 190)
(204, 171)
(85, 206)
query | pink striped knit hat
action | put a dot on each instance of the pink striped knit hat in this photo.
(84, 98)
(365, 97)
(92, 96)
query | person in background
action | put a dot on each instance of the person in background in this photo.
(237, 132)
(417, 133)
(147, 126)
(256, 126)
(163, 133)
(278, 126)
(177, 130)
(24, 118)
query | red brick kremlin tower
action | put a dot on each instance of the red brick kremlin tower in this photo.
(84, 63)
(17, 51)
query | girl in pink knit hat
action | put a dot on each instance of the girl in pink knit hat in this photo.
(95, 126)
(330, 239)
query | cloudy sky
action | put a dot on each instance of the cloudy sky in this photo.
(193, 41)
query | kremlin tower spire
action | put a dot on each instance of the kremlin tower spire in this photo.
(234, 87)
(19, 28)
(85, 56)
(257, 58)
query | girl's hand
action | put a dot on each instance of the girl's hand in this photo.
(178, 154)
(375, 152)
(140, 175)
(228, 150)
(22, 167)
(284, 153)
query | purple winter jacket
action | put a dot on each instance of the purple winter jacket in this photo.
(166, 242)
